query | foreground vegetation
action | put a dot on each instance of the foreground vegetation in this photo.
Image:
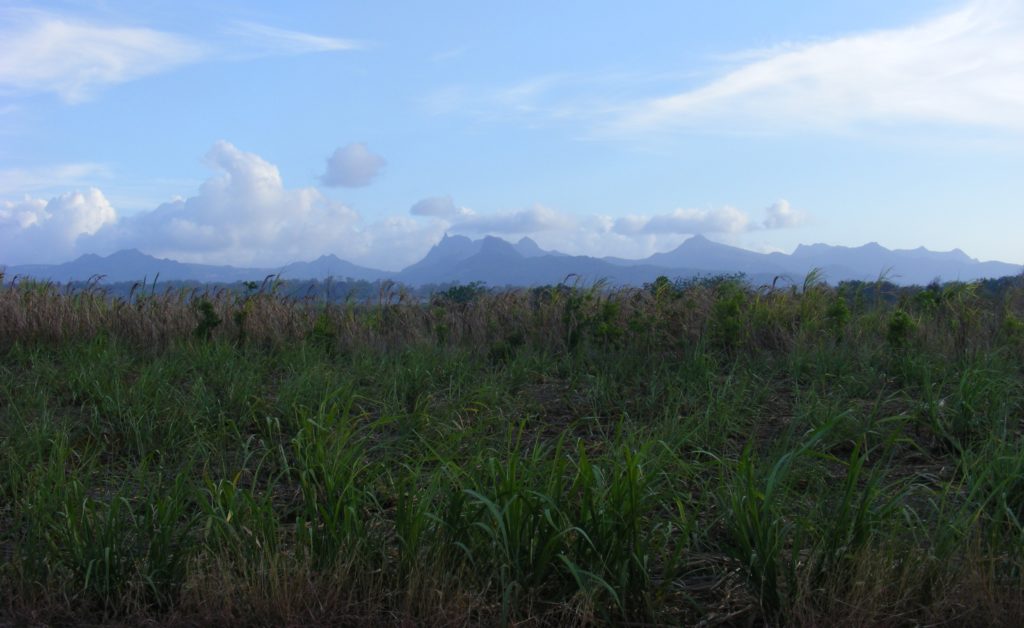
(682, 453)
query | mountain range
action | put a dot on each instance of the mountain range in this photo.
(496, 262)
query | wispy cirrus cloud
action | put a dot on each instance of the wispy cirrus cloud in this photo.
(76, 58)
(26, 180)
(544, 98)
(46, 52)
(965, 67)
(449, 54)
(271, 40)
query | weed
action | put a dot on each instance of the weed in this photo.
(695, 451)
(208, 319)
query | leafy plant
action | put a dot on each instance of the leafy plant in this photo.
(208, 319)
(900, 327)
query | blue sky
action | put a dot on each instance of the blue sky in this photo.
(255, 133)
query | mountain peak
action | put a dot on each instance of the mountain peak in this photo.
(448, 240)
(129, 255)
(328, 257)
(699, 242)
(492, 245)
(450, 249)
(452, 242)
(528, 248)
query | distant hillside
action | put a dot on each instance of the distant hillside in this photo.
(331, 266)
(838, 263)
(132, 265)
(497, 262)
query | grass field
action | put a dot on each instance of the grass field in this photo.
(667, 455)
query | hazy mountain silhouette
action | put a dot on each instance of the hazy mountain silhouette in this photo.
(837, 263)
(528, 248)
(703, 255)
(331, 266)
(498, 263)
(907, 266)
(133, 265)
(441, 259)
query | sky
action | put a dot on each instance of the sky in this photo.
(260, 133)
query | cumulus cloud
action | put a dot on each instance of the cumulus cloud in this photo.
(43, 52)
(531, 220)
(439, 207)
(352, 166)
(722, 220)
(595, 235)
(243, 214)
(626, 236)
(35, 230)
(553, 230)
(781, 215)
(962, 67)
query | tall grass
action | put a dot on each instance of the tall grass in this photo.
(683, 453)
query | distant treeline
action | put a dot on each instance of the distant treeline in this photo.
(350, 290)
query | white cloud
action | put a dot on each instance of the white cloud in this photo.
(781, 215)
(35, 230)
(595, 235)
(685, 221)
(244, 214)
(526, 221)
(396, 242)
(963, 67)
(271, 40)
(439, 207)
(43, 52)
(541, 99)
(352, 166)
(553, 230)
(725, 220)
(76, 58)
(449, 54)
